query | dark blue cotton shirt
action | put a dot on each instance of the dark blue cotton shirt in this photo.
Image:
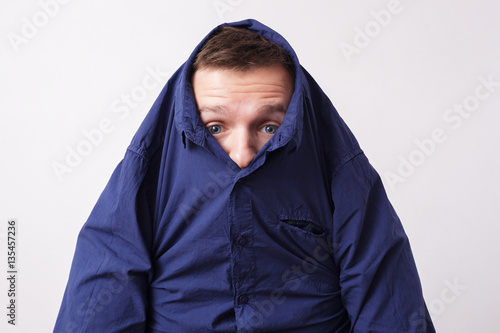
(304, 239)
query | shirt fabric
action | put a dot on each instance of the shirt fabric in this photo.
(304, 239)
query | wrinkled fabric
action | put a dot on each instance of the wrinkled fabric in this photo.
(304, 239)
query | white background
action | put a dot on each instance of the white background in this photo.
(64, 74)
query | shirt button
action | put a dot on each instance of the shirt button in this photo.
(243, 299)
(242, 241)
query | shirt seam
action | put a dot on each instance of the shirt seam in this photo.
(139, 151)
(346, 160)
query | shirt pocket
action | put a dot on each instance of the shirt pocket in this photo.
(302, 225)
(306, 244)
(305, 237)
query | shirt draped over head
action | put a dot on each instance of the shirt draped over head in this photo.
(303, 239)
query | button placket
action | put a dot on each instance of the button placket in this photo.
(242, 252)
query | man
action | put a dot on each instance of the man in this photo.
(243, 204)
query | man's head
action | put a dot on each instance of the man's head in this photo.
(242, 85)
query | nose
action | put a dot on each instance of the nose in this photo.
(243, 148)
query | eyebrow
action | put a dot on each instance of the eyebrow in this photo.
(215, 109)
(268, 108)
(273, 108)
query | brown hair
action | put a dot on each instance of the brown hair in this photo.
(241, 49)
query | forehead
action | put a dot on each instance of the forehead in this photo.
(273, 82)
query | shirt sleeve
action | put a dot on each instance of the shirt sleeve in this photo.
(379, 281)
(108, 283)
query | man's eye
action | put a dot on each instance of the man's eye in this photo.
(215, 129)
(270, 129)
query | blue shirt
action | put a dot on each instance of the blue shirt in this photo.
(304, 239)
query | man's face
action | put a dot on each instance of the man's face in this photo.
(242, 110)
